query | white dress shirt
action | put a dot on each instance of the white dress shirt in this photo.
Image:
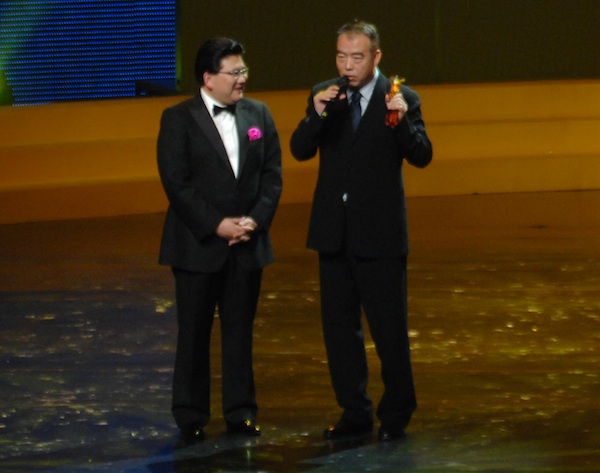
(227, 128)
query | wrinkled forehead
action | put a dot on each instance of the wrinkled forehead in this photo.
(354, 42)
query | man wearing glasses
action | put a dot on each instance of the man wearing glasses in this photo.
(219, 160)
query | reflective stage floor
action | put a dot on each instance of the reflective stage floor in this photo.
(504, 325)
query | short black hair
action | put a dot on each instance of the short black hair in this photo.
(208, 58)
(361, 27)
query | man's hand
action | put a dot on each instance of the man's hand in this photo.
(321, 99)
(248, 223)
(236, 229)
(397, 103)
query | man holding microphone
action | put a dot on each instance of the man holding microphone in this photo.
(358, 227)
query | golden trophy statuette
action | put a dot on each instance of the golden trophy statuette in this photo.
(391, 117)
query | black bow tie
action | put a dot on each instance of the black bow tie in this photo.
(227, 108)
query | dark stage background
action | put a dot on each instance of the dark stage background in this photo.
(291, 44)
(64, 50)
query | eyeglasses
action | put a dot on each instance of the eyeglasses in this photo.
(237, 73)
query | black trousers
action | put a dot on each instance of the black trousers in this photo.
(235, 292)
(377, 286)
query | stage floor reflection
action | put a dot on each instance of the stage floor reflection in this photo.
(504, 324)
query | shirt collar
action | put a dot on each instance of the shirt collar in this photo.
(210, 102)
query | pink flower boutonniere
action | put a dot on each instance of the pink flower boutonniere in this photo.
(254, 133)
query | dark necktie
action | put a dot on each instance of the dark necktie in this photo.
(355, 111)
(227, 108)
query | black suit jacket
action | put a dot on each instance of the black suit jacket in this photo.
(367, 166)
(202, 189)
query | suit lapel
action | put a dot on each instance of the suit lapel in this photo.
(205, 122)
(243, 119)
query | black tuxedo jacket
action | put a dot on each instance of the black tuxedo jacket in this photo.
(366, 165)
(202, 189)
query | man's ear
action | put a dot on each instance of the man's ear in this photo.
(378, 55)
(207, 78)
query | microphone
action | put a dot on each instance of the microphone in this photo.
(342, 83)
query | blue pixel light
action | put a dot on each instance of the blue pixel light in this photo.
(77, 50)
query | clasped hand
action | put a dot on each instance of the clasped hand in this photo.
(236, 229)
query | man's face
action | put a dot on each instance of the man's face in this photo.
(355, 58)
(227, 86)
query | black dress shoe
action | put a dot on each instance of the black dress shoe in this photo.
(341, 430)
(390, 433)
(192, 432)
(246, 427)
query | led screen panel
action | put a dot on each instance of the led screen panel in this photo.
(79, 50)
